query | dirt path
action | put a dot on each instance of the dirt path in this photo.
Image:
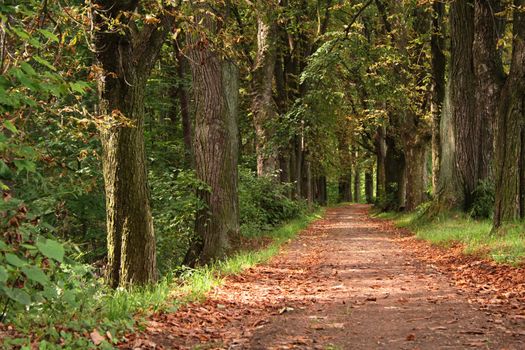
(345, 283)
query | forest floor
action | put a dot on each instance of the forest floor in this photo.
(351, 281)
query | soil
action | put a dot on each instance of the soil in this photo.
(350, 281)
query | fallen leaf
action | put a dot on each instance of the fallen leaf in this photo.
(96, 338)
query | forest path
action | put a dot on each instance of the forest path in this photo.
(347, 282)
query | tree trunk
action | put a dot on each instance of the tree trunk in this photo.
(127, 58)
(476, 80)
(357, 182)
(488, 69)
(510, 133)
(216, 90)
(381, 152)
(438, 61)
(415, 176)
(263, 110)
(184, 101)
(345, 187)
(369, 187)
(298, 166)
(449, 194)
(394, 176)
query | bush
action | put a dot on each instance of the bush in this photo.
(264, 203)
(174, 207)
(483, 200)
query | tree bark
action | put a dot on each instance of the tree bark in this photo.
(263, 109)
(415, 176)
(369, 187)
(488, 69)
(127, 57)
(184, 101)
(438, 62)
(381, 152)
(357, 181)
(216, 91)
(510, 133)
(394, 176)
(474, 90)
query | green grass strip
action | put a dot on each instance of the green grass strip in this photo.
(505, 246)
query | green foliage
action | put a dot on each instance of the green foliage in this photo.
(264, 203)
(174, 205)
(483, 200)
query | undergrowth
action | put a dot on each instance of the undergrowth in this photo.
(114, 313)
(505, 246)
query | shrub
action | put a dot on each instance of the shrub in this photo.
(174, 206)
(483, 200)
(264, 203)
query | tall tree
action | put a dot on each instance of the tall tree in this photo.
(126, 55)
(510, 140)
(438, 67)
(216, 94)
(263, 108)
(475, 81)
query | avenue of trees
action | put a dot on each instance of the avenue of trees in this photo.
(141, 135)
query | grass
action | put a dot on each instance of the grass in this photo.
(505, 246)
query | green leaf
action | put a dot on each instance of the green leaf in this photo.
(3, 246)
(24, 164)
(51, 249)
(22, 34)
(3, 274)
(79, 86)
(44, 62)
(47, 34)
(5, 172)
(26, 67)
(18, 295)
(14, 260)
(10, 126)
(37, 275)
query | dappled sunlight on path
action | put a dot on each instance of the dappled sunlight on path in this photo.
(345, 283)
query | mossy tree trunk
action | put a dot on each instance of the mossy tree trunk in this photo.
(510, 140)
(126, 58)
(475, 84)
(438, 64)
(216, 92)
(263, 109)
